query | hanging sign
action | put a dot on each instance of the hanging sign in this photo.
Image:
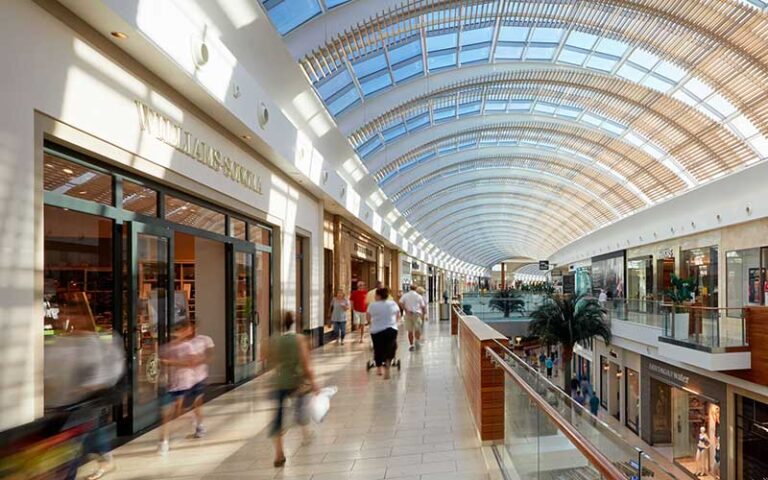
(543, 264)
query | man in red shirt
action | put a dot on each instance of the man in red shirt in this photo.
(359, 307)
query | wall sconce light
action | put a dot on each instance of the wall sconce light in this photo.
(619, 374)
(518, 340)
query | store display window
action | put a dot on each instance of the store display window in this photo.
(608, 275)
(746, 277)
(700, 268)
(633, 399)
(696, 434)
(751, 439)
(78, 272)
(640, 281)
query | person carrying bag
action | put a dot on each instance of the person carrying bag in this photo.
(293, 378)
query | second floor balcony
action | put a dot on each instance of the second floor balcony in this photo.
(714, 338)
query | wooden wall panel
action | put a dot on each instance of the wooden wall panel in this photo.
(757, 336)
(483, 381)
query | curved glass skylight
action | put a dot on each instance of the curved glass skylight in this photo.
(446, 102)
(452, 109)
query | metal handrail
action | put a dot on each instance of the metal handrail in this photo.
(579, 407)
(606, 468)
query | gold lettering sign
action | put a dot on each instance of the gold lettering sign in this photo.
(170, 133)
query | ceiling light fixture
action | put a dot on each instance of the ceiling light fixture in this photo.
(119, 35)
(245, 137)
(67, 171)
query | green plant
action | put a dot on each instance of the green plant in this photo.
(507, 301)
(680, 292)
(567, 320)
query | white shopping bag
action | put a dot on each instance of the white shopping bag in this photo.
(318, 405)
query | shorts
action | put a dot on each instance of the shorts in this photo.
(188, 396)
(358, 318)
(413, 322)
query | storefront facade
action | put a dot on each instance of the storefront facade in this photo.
(681, 415)
(607, 272)
(132, 216)
(696, 258)
(750, 445)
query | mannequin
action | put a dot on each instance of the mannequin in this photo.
(702, 452)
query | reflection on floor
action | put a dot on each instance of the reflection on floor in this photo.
(415, 426)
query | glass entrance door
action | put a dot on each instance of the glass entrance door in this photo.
(149, 313)
(245, 319)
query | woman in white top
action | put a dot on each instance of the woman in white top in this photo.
(383, 315)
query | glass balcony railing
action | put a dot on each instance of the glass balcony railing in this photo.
(645, 312)
(709, 329)
(487, 308)
(549, 435)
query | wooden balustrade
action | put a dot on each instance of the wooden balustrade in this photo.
(483, 381)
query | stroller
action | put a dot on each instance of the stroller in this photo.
(393, 362)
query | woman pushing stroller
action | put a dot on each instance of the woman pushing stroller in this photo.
(383, 316)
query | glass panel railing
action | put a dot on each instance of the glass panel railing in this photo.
(488, 308)
(570, 442)
(710, 329)
(644, 312)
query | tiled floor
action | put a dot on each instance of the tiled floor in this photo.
(416, 425)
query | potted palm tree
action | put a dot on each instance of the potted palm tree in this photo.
(507, 301)
(567, 320)
(680, 294)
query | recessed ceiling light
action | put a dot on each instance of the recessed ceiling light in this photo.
(67, 171)
(119, 35)
(245, 137)
(82, 192)
(49, 165)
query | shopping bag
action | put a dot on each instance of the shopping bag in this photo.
(319, 405)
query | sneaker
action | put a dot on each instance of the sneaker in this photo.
(410, 349)
(101, 471)
(163, 448)
(200, 431)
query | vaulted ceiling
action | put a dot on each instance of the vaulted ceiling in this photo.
(505, 128)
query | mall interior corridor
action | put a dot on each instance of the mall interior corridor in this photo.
(417, 425)
(199, 197)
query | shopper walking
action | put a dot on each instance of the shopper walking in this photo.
(293, 379)
(421, 291)
(186, 357)
(415, 308)
(201, 350)
(549, 365)
(339, 308)
(594, 404)
(359, 307)
(383, 315)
